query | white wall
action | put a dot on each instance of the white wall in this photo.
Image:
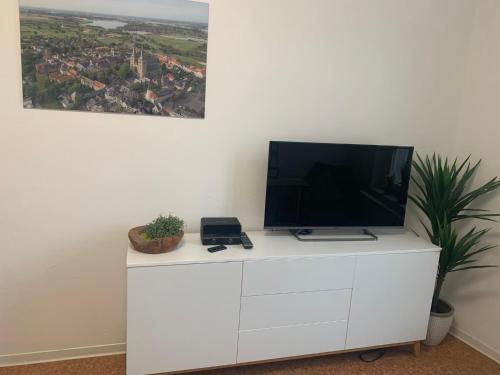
(385, 71)
(476, 293)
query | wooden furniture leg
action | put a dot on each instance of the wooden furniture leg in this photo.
(416, 348)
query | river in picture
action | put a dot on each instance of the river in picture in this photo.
(107, 24)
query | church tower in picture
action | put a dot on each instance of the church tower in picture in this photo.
(138, 65)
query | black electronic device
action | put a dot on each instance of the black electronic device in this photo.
(330, 186)
(220, 231)
(245, 241)
(216, 248)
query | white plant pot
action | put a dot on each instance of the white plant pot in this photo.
(439, 326)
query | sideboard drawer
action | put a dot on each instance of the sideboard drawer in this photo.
(297, 275)
(276, 310)
(290, 341)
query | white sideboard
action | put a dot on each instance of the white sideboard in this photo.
(191, 309)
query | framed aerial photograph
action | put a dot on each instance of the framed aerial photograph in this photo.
(120, 56)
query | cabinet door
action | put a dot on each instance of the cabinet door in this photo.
(391, 299)
(182, 317)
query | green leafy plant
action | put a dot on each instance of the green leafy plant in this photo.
(163, 226)
(443, 196)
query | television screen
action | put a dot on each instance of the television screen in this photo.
(320, 185)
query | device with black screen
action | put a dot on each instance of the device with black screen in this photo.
(332, 186)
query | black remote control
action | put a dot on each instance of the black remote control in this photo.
(216, 248)
(245, 241)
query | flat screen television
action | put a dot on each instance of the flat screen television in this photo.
(328, 186)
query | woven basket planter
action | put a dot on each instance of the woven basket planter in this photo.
(156, 246)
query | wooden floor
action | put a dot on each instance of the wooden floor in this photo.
(451, 357)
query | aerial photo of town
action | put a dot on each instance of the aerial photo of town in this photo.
(115, 56)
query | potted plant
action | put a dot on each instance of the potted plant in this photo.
(444, 198)
(159, 236)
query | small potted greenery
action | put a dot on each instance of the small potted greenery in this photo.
(443, 195)
(159, 236)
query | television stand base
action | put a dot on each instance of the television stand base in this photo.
(334, 235)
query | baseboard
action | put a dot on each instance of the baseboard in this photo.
(61, 354)
(475, 343)
(113, 349)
